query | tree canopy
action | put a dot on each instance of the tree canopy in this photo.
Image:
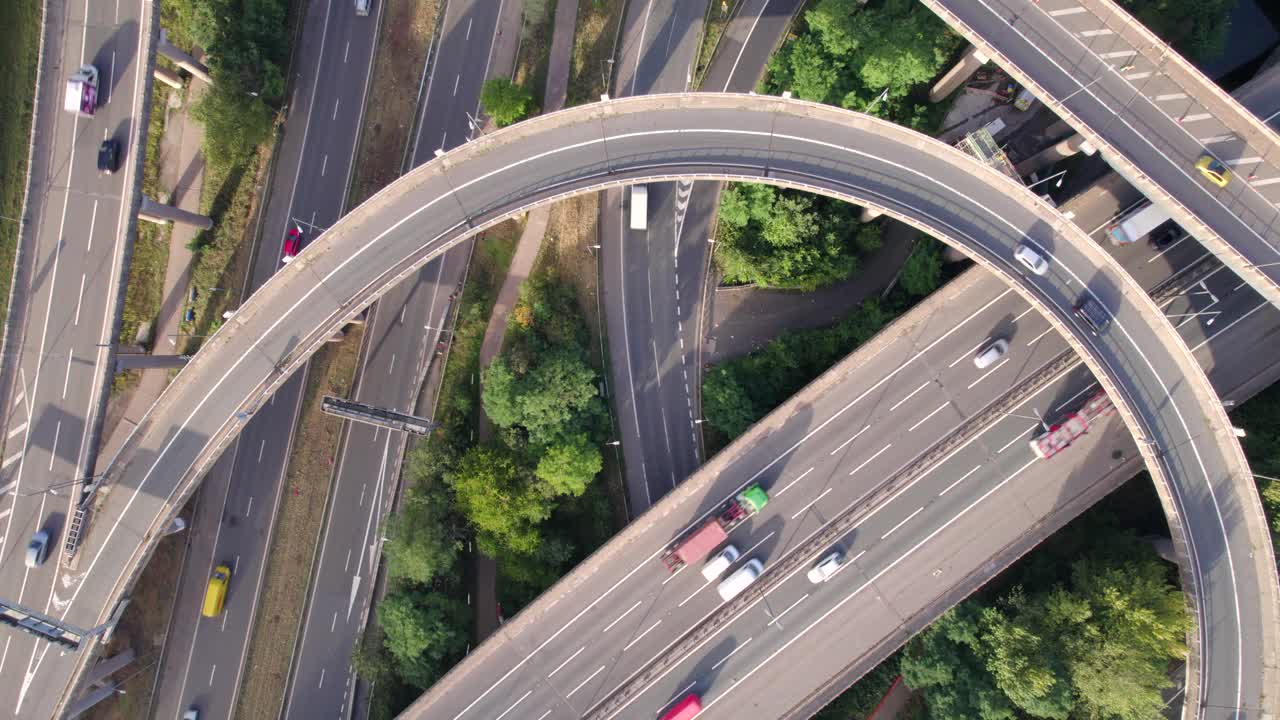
(1095, 645)
(423, 632)
(421, 542)
(505, 101)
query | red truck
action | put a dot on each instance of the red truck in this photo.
(707, 537)
(1060, 436)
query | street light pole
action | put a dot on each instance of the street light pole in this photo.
(1058, 175)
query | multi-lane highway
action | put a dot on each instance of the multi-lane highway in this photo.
(870, 163)
(1149, 110)
(400, 335)
(64, 316)
(651, 282)
(655, 278)
(203, 661)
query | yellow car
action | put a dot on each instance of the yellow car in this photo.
(216, 594)
(1213, 170)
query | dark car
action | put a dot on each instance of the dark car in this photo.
(1164, 236)
(1092, 314)
(292, 244)
(108, 156)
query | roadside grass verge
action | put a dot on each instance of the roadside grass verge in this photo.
(143, 627)
(18, 53)
(283, 595)
(713, 26)
(594, 37)
(389, 114)
(537, 23)
(143, 293)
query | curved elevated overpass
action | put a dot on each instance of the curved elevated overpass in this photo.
(1161, 391)
(1150, 112)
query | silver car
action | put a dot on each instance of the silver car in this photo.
(1031, 259)
(991, 353)
(38, 549)
(826, 567)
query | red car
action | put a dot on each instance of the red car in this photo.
(292, 244)
(686, 709)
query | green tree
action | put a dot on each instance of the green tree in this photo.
(774, 238)
(726, 403)
(423, 632)
(947, 663)
(370, 659)
(568, 467)
(898, 46)
(505, 101)
(503, 504)
(555, 398)
(235, 123)
(421, 541)
(1196, 28)
(922, 273)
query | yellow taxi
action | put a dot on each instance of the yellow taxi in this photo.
(1213, 170)
(215, 595)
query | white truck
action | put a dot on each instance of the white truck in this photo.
(82, 91)
(639, 207)
(1137, 224)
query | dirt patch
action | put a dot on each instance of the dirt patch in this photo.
(406, 31)
(594, 39)
(297, 532)
(144, 627)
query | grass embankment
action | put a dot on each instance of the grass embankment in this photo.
(595, 34)
(402, 45)
(18, 54)
(713, 27)
(536, 27)
(297, 532)
(144, 292)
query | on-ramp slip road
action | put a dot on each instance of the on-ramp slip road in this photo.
(1146, 369)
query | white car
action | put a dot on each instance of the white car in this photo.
(991, 353)
(826, 567)
(1031, 258)
(720, 562)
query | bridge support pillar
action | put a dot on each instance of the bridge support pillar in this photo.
(969, 62)
(182, 59)
(1050, 155)
(868, 214)
(152, 211)
(168, 77)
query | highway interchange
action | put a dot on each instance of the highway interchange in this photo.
(799, 606)
(629, 155)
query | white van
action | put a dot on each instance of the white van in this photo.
(639, 207)
(720, 562)
(731, 586)
(362, 7)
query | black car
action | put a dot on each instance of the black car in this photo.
(108, 156)
(1164, 236)
(1092, 314)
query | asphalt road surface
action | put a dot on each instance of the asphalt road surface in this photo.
(1154, 114)
(203, 662)
(652, 297)
(652, 277)
(58, 363)
(863, 160)
(401, 336)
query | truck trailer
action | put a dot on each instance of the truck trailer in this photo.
(698, 543)
(1058, 437)
(82, 91)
